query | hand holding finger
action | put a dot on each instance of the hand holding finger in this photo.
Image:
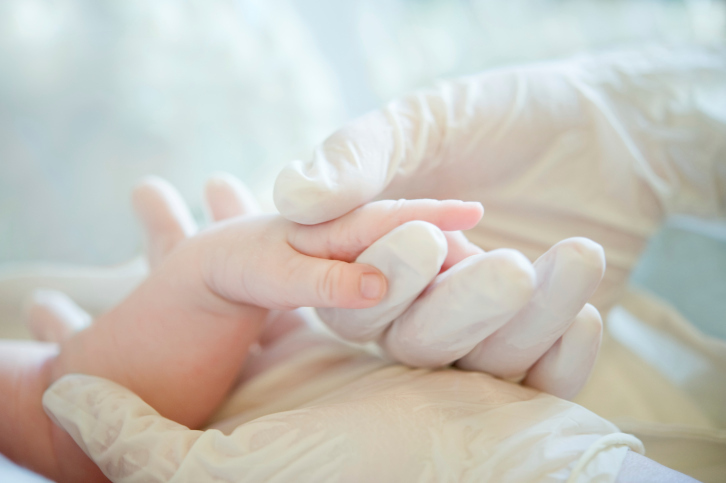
(314, 261)
(347, 237)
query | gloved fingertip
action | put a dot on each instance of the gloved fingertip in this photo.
(590, 319)
(309, 200)
(588, 252)
(565, 368)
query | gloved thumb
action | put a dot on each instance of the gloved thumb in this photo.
(350, 168)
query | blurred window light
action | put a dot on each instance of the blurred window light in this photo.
(410, 43)
(34, 21)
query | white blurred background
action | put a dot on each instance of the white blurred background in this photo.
(95, 94)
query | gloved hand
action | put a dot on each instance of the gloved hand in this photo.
(333, 413)
(602, 147)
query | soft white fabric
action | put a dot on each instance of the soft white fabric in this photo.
(380, 423)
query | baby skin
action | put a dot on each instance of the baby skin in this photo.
(179, 339)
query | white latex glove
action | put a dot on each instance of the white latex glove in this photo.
(602, 147)
(334, 413)
(475, 295)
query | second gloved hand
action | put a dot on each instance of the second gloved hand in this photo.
(333, 413)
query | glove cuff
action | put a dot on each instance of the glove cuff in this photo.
(603, 459)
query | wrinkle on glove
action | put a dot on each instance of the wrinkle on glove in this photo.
(392, 424)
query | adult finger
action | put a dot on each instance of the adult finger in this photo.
(409, 257)
(227, 197)
(164, 216)
(566, 366)
(51, 316)
(346, 238)
(463, 306)
(567, 276)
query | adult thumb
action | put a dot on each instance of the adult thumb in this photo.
(350, 168)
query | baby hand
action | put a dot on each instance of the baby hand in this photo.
(271, 262)
(179, 339)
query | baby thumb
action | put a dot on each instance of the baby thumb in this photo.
(316, 282)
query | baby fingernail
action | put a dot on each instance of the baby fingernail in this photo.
(372, 286)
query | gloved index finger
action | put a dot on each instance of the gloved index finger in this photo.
(347, 237)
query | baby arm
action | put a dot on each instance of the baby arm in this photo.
(179, 339)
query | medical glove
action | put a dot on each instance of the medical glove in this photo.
(602, 147)
(348, 417)
(428, 319)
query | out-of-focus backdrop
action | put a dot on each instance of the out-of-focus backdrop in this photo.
(95, 94)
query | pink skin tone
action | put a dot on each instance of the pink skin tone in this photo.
(180, 338)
